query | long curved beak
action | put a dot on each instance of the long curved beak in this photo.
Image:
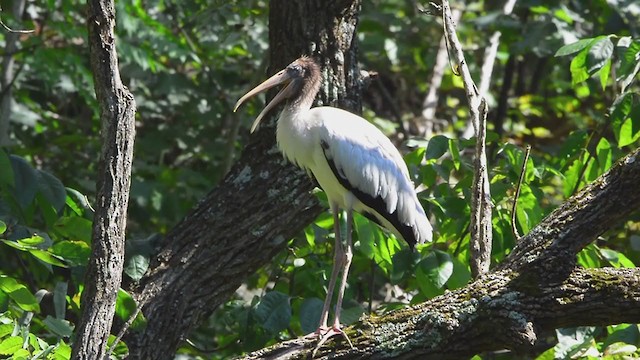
(277, 79)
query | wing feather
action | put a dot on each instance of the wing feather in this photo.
(365, 162)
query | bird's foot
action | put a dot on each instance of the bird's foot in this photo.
(325, 334)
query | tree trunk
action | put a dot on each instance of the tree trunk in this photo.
(117, 114)
(537, 288)
(260, 204)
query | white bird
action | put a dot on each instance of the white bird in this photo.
(355, 164)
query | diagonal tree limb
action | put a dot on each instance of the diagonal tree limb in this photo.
(536, 289)
(261, 203)
(117, 114)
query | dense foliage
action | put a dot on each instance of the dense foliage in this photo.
(564, 83)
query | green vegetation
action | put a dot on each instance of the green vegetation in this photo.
(568, 71)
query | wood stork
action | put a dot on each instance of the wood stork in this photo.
(355, 164)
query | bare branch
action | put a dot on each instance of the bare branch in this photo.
(490, 54)
(430, 102)
(514, 208)
(481, 235)
(17, 5)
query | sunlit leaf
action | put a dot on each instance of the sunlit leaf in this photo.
(599, 53)
(574, 47)
(74, 228)
(10, 345)
(48, 257)
(76, 253)
(19, 294)
(578, 67)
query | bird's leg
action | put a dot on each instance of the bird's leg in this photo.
(338, 256)
(345, 262)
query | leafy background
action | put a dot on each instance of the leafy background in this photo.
(564, 83)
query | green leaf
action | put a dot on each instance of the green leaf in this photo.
(437, 147)
(125, 305)
(31, 242)
(455, 153)
(620, 111)
(59, 327)
(620, 349)
(350, 315)
(616, 259)
(19, 294)
(438, 267)
(572, 340)
(6, 329)
(74, 228)
(3, 227)
(629, 130)
(52, 189)
(574, 47)
(604, 74)
(589, 257)
(310, 312)
(274, 311)
(578, 67)
(60, 299)
(62, 351)
(460, 276)
(48, 257)
(121, 349)
(402, 265)
(11, 345)
(76, 253)
(599, 53)
(26, 181)
(136, 266)
(6, 171)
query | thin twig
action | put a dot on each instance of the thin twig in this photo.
(124, 329)
(430, 102)
(515, 199)
(8, 29)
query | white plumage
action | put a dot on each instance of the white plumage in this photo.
(362, 155)
(354, 163)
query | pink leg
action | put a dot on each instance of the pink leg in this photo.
(338, 257)
(346, 263)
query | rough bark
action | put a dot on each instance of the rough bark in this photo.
(537, 288)
(260, 204)
(117, 114)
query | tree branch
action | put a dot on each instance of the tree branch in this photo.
(430, 102)
(117, 114)
(536, 289)
(481, 227)
(493, 313)
(261, 203)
